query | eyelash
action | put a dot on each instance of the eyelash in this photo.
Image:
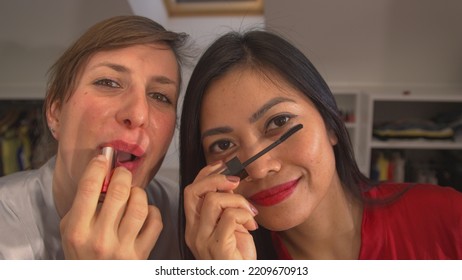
(214, 148)
(107, 83)
(160, 97)
(286, 117)
(153, 95)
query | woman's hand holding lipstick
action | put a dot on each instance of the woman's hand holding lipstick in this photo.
(217, 220)
(124, 226)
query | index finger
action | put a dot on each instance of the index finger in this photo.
(194, 194)
(89, 189)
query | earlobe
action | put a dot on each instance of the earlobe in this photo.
(332, 138)
(52, 115)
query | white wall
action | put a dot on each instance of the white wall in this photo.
(34, 33)
(376, 43)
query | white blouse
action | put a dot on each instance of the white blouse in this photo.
(29, 222)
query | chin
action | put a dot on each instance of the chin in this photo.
(277, 227)
(277, 224)
(143, 183)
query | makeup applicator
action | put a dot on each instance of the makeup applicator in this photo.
(234, 166)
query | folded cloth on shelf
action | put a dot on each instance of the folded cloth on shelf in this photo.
(454, 120)
(413, 129)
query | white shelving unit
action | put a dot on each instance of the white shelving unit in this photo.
(424, 105)
(371, 107)
(416, 144)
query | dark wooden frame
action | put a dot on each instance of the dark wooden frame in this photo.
(214, 8)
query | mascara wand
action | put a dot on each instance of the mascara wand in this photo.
(236, 168)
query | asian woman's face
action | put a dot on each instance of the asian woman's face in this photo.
(126, 99)
(242, 113)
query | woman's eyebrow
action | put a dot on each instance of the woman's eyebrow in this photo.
(215, 131)
(268, 105)
(255, 116)
(123, 69)
(113, 66)
(163, 80)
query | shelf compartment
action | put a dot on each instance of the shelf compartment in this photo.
(416, 144)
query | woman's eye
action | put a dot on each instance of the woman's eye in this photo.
(278, 122)
(221, 146)
(160, 97)
(107, 83)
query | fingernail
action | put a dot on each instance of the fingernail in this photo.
(253, 209)
(233, 179)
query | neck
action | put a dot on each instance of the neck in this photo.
(333, 231)
(62, 189)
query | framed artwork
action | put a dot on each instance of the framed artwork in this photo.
(213, 7)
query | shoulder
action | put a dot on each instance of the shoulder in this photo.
(161, 189)
(423, 204)
(419, 205)
(412, 221)
(26, 182)
(15, 191)
(164, 194)
(25, 202)
(16, 184)
(414, 191)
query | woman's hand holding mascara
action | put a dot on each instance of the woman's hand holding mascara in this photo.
(217, 220)
(124, 226)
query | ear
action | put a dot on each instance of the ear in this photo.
(332, 137)
(53, 117)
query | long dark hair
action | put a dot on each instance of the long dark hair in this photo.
(263, 51)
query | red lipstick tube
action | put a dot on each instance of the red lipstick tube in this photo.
(111, 156)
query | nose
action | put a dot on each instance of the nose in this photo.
(134, 111)
(263, 166)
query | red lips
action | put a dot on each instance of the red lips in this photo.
(130, 155)
(275, 194)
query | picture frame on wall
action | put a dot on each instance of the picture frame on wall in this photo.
(213, 7)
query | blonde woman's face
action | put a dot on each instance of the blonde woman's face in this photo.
(124, 98)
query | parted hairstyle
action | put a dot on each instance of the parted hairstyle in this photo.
(110, 34)
(267, 53)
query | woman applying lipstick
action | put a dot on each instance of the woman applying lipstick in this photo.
(306, 198)
(115, 88)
